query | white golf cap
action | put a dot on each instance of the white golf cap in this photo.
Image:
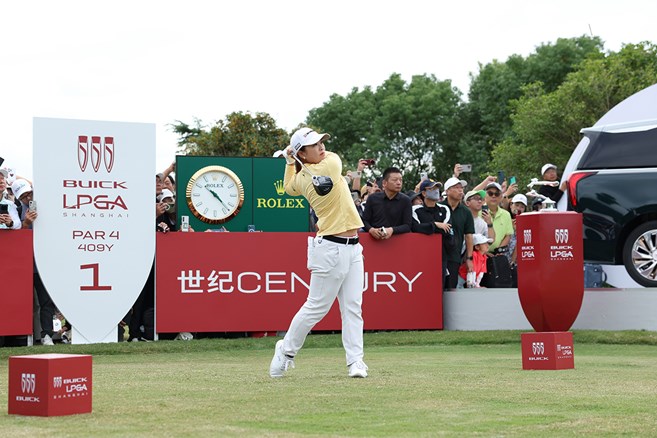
(478, 239)
(306, 137)
(166, 193)
(454, 181)
(547, 167)
(20, 187)
(519, 198)
(493, 185)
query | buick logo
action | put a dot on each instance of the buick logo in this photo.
(561, 235)
(94, 151)
(538, 348)
(28, 383)
(527, 236)
(57, 382)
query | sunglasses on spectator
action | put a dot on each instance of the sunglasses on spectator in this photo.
(493, 194)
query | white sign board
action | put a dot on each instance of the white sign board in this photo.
(94, 238)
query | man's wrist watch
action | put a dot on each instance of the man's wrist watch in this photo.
(489, 225)
(469, 258)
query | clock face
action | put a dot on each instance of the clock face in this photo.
(215, 194)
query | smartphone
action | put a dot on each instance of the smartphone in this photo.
(484, 208)
(251, 228)
(500, 177)
(4, 209)
(370, 161)
(512, 180)
(466, 167)
(184, 223)
(2, 160)
(32, 205)
(424, 176)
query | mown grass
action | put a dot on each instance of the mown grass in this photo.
(420, 384)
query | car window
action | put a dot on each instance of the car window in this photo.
(621, 150)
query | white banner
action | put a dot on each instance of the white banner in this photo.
(94, 237)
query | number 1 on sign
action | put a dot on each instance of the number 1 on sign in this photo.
(95, 285)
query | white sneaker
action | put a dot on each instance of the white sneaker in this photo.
(280, 363)
(47, 340)
(358, 369)
(184, 336)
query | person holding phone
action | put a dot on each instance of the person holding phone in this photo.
(9, 218)
(23, 193)
(483, 223)
(501, 218)
(22, 190)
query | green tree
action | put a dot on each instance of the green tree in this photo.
(239, 134)
(407, 125)
(487, 115)
(546, 125)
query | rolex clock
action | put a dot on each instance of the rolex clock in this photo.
(214, 194)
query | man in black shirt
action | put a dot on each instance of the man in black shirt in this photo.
(388, 212)
(463, 227)
(434, 218)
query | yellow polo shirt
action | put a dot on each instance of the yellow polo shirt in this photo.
(336, 211)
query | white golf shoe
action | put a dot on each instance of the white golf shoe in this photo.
(358, 369)
(47, 340)
(280, 363)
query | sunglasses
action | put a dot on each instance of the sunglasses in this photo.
(493, 194)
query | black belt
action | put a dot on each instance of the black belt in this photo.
(342, 240)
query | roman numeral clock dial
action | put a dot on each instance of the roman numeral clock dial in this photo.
(214, 194)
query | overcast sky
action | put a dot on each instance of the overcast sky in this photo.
(162, 61)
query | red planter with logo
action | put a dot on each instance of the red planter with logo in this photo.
(547, 351)
(550, 270)
(50, 384)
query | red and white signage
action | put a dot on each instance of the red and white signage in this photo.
(16, 272)
(547, 351)
(50, 384)
(215, 282)
(93, 239)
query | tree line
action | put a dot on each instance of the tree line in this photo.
(518, 115)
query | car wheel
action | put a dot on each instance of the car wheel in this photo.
(640, 254)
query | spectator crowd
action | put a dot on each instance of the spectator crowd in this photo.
(478, 230)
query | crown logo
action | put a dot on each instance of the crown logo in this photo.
(280, 189)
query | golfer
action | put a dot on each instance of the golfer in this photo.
(335, 258)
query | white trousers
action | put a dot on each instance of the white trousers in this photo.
(336, 271)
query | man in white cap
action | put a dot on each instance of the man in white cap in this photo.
(501, 219)
(463, 228)
(549, 173)
(483, 223)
